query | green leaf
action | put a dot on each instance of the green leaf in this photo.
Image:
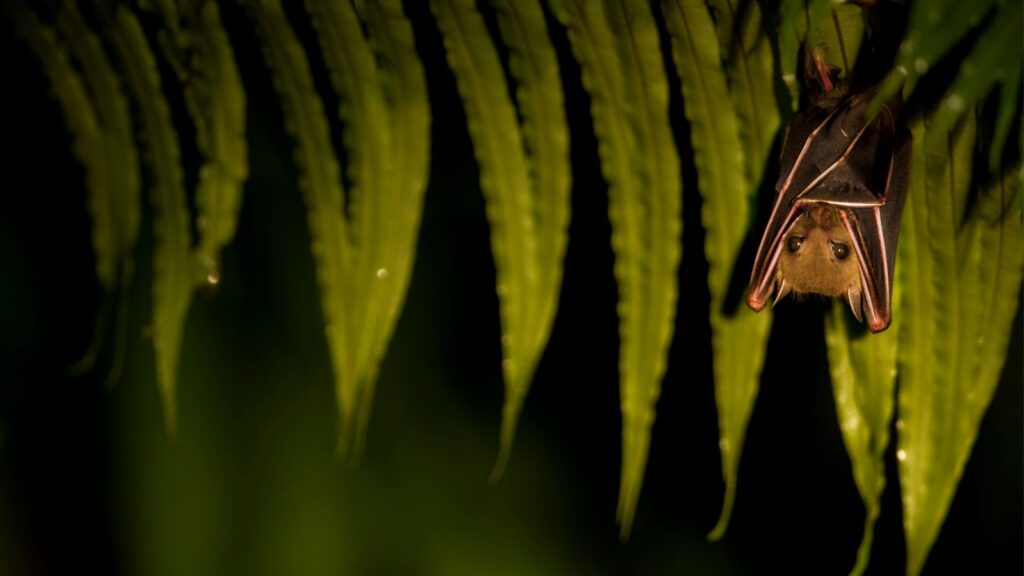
(113, 231)
(319, 181)
(934, 28)
(720, 162)
(963, 276)
(616, 44)
(789, 38)
(524, 175)
(863, 370)
(733, 116)
(367, 142)
(994, 60)
(405, 89)
(117, 212)
(198, 49)
(834, 30)
(216, 102)
(173, 266)
(387, 120)
(115, 206)
(504, 180)
(751, 72)
(545, 133)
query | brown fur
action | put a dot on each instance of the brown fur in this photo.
(814, 267)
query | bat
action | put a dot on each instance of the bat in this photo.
(835, 222)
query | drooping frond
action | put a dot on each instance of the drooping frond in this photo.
(616, 44)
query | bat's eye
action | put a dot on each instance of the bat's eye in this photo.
(841, 251)
(793, 243)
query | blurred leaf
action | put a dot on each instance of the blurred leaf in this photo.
(367, 143)
(216, 101)
(198, 49)
(387, 145)
(788, 40)
(173, 267)
(319, 181)
(534, 66)
(616, 44)
(504, 180)
(863, 370)
(933, 30)
(119, 209)
(962, 286)
(92, 148)
(995, 60)
(364, 261)
(834, 30)
(116, 210)
(404, 89)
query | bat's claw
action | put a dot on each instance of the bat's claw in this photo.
(781, 292)
(853, 298)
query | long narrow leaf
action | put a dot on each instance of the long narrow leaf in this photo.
(934, 28)
(216, 102)
(173, 267)
(927, 356)
(320, 183)
(616, 43)
(534, 67)
(197, 48)
(994, 60)
(863, 370)
(387, 175)
(751, 72)
(526, 189)
(116, 210)
(504, 180)
(119, 210)
(367, 141)
(738, 337)
(404, 88)
(88, 142)
(722, 64)
(963, 282)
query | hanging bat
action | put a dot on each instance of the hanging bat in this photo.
(835, 222)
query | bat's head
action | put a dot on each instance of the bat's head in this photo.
(817, 256)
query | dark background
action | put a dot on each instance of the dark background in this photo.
(89, 480)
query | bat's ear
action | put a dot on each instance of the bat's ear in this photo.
(820, 79)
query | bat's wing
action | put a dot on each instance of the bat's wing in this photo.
(875, 233)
